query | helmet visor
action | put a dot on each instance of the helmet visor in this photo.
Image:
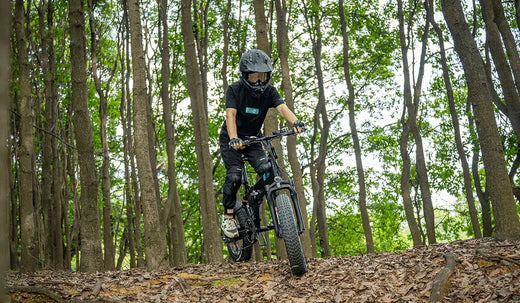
(256, 77)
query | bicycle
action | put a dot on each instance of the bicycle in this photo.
(286, 216)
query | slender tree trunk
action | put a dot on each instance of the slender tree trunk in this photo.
(65, 212)
(155, 236)
(504, 69)
(504, 207)
(48, 144)
(29, 261)
(517, 13)
(508, 39)
(403, 141)
(91, 258)
(323, 125)
(422, 171)
(225, 47)
(212, 241)
(271, 120)
(5, 33)
(132, 183)
(456, 128)
(283, 52)
(108, 244)
(482, 195)
(175, 208)
(14, 211)
(355, 138)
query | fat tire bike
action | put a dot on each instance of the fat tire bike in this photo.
(283, 204)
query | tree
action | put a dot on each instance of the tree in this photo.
(504, 208)
(282, 45)
(5, 28)
(173, 211)
(355, 138)
(91, 256)
(212, 241)
(403, 141)
(108, 244)
(321, 128)
(155, 240)
(51, 204)
(27, 212)
(456, 127)
(271, 120)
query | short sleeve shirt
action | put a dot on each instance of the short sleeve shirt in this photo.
(251, 111)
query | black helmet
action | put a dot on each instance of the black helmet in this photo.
(255, 61)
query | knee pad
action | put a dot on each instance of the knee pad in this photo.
(264, 168)
(264, 171)
(233, 181)
(234, 175)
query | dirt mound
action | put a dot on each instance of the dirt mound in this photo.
(480, 271)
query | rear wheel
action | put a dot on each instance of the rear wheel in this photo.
(241, 248)
(290, 235)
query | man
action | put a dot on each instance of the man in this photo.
(247, 103)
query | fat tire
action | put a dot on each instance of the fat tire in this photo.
(244, 254)
(290, 235)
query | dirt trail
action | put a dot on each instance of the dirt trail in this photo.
(485, 271)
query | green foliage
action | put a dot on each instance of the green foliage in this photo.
(374, 64)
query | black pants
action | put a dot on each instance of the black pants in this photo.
(255, 155)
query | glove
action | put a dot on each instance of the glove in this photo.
(298, 127)
(235, 143)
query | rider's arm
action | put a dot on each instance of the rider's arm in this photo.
(231, 122)
(231, 125)
(286, 113)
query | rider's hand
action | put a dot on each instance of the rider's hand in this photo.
(236, 144)
(298, 127)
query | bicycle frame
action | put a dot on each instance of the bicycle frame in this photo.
(254, 196)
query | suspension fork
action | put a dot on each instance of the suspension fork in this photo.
(272, 193)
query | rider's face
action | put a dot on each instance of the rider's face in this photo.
(255, 77)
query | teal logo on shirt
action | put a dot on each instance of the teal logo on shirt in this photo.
(252, 110)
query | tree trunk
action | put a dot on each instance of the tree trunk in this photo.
(212, 241)
(412, 108)
(504, 69)
(225, 47)
(456, 128)
(403, 141)
(508, 39)
(91, 255)
(49, 142)
(283, 52)
(271, 120)
(5, 33)
(154, 232)
(175, 208)
(504, 207)
(322, 124)
(482, 195)
(108, 244)
(29, 261)
(355, 138)
(135, 203)
(517, 13)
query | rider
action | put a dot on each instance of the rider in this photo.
(247, 103)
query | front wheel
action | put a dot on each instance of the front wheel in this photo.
(290, 235)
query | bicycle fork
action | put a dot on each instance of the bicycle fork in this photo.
(272, 193)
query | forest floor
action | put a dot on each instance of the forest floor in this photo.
(463, 271)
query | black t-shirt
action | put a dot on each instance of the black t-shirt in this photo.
(251, 111)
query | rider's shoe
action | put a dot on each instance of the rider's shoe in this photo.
(229, 227)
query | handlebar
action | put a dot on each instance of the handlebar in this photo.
(276, 134)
